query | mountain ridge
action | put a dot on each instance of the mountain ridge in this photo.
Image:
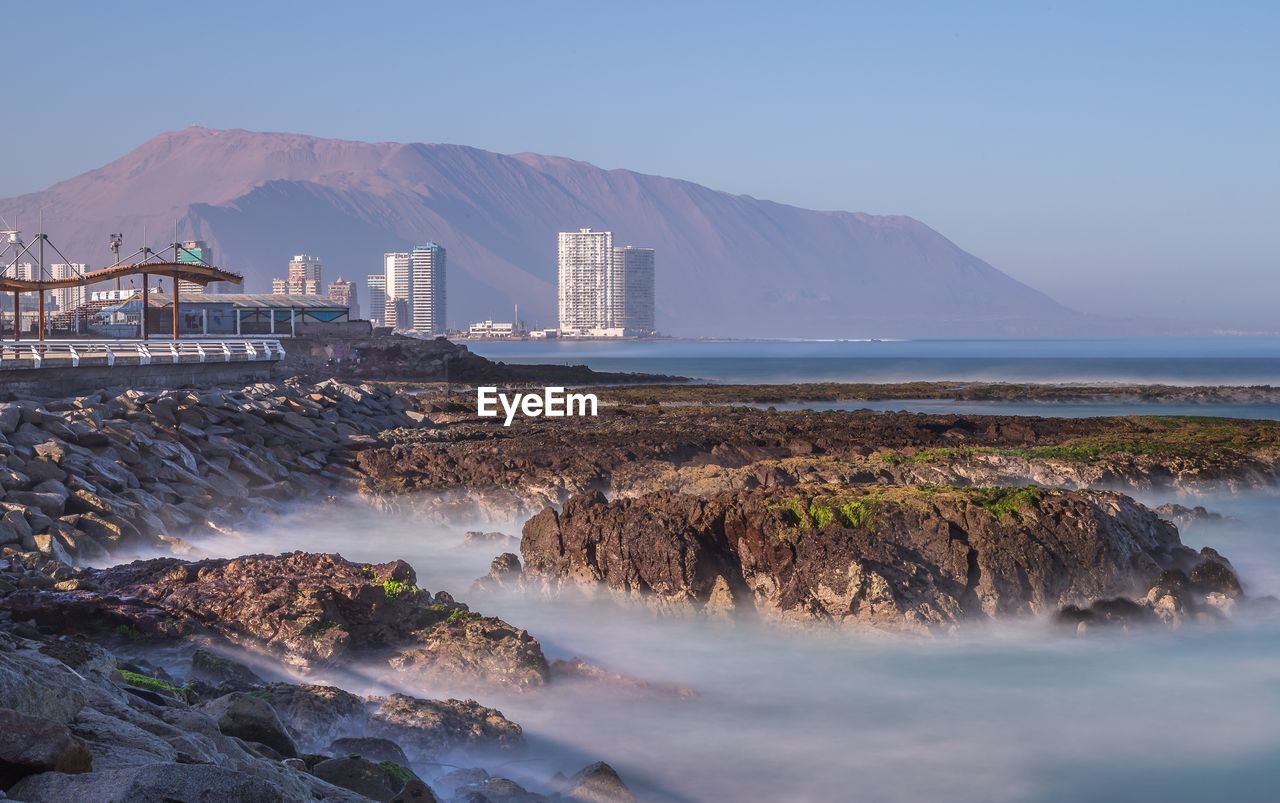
(728, 265)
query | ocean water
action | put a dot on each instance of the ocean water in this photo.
(1270, 412)
(1017, 711)
(1175, 361)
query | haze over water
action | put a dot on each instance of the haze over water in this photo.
(1017, 711)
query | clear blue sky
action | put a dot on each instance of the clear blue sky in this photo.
(1124, 157)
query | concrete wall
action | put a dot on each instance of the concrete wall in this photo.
(86, 379)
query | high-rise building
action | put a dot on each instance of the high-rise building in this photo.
(305, 268)
(196, 252)
(584, 279)
(395, 313)
(302, 279)
(376, 287)
(68, 298)
(427, 307)
(631, 290)
(397, 282)
(343, 292)
(22, 270)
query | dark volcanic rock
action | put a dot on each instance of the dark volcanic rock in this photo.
(598, 783)
(425, 729)
(152, 783)
(29, 745)
(251, 718)
(894, 557)
(307, 609)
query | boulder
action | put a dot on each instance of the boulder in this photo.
(598, 783)
(384, 781)
(253, 719)
(150, 783)
(29, 745)
(369, 747)
(222, 672)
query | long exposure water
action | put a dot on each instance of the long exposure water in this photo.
(1018, 711)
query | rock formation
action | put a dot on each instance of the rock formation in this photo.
(914, 558)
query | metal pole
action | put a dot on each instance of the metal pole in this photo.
(292, 319)
(144, 306)
(237, 321)
(17, 316)
(40, 291)
(175, 307)
(272, 312)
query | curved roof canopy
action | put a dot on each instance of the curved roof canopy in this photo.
(183, 271)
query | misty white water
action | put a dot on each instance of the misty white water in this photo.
(1010, 712)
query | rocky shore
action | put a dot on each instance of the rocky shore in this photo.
(133, 680)
(401, 358)
(483, 469)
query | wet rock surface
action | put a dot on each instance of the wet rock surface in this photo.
(478, 467)
(897, 558)
(308, 610)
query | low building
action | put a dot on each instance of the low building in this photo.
(495, 329)
(229, 314)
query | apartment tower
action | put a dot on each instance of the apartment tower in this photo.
(583, 285)
(427, 307)
(631, 291)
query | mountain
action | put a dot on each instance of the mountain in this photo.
(728, 265)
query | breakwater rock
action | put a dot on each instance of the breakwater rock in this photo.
(911, 557)
(92, 478)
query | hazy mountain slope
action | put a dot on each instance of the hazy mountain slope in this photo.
(727, 264)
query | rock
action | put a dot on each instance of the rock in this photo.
(150, 783)
(316, 715)
(497, 790)
(385, 781)
(371, 748)
(504, 572)
(913, 557)
(251, 718)
(223, 672)
(309, 610)
(480, 538)
(10, 418)
(598, 783)
(29, 745)
(428, 729)
(1214, 574)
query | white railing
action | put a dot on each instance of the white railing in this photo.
(75, 353)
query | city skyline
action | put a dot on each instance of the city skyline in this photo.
(1087, 146)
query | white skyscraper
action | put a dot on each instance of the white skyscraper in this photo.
(397, 286)
(632, 289)
(584, 279)
(68, 298)
(376, 289)
(427, 308)
(23, 270)
(416, 278)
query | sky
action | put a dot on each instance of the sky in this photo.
(1122, 157)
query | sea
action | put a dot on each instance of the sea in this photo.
(1174, 361)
